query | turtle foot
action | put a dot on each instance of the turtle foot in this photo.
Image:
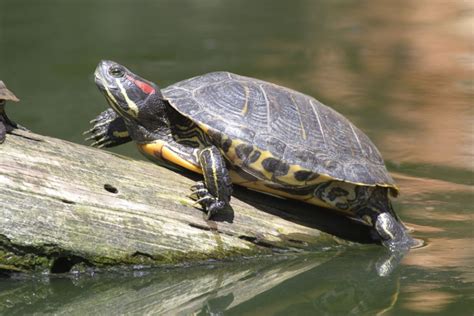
(393, 234)
(208, 202)
(99, 137)
(108, 130)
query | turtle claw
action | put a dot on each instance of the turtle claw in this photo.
(207, 201)
(101, 142)
(211, 213)
(98, 134)
(91, 132)
(98, 124)
(210, 204)
(198, 186)
(100, 121)
(195, 194)
(198, 191)
(91, 137)
(204, 200)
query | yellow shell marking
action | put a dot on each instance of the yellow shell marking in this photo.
(288, 178)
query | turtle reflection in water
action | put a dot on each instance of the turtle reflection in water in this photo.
(6, 125)
(240, 130)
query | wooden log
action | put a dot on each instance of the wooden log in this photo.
(63, 204)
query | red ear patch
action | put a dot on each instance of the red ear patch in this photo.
(145, 87)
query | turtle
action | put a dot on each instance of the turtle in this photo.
(6, 125)
(237, 130)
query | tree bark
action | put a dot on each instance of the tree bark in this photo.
(63, 204)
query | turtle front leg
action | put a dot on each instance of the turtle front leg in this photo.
(108, 130)
(387, 229)
(214, 193)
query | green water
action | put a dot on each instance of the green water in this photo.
(401, 70)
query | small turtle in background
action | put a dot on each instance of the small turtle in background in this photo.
(240, 130)
(6, 125)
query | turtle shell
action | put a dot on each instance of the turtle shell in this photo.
(6, 94)
(295, 128)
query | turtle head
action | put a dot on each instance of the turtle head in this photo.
(134, 98)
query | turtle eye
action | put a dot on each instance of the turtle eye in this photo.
(116, 72)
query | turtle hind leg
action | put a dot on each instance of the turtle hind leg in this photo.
(392, 233)
(214, 193)
(387, 227)
(108, 130)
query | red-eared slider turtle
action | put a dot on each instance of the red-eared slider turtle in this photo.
(6, 125)
(240, 130)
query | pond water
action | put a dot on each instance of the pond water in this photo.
(402, 71)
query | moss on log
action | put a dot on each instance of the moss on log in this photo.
(63, 204)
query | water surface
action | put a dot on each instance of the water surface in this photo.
(402, 71)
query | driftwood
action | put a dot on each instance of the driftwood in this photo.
(65, 205)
